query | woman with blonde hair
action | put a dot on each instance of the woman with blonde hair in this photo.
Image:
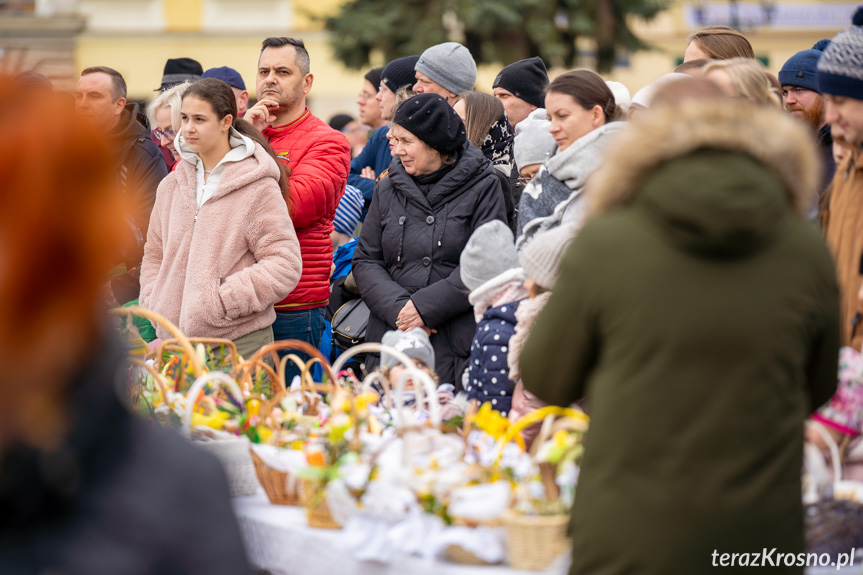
(743, 78)
(163, 111)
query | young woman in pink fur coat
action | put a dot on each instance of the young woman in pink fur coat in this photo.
(221, 248)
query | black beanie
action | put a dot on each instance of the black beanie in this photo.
(374, 77)
(431, 119)
(525, 79)
(339, 121)
(400, 73)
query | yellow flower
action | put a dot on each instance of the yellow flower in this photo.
(364, 399)
(491, 421)
(253, 407)
(215, 421)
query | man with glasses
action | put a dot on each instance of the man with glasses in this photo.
(375, 158)
(100, 97)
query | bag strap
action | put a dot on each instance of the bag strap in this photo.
(831, 444)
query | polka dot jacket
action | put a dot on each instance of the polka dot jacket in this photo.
(488, 374)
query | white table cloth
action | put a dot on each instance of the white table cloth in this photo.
(278, 539)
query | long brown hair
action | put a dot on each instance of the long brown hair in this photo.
(221, 98)
(588, 89)
(481, 112)
(722, 43)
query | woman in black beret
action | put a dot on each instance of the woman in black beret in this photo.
(438, 190)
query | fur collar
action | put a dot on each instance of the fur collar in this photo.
(769, 135)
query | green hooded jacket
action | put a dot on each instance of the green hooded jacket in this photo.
(697, 312)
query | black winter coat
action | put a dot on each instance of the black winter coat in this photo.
(118, 495)
(140, 168)
(410, 247)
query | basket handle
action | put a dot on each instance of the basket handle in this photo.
(157, 377)
(831, 445)
(128, 312)
(374, 348)
(427, 388)
(208, 341)
(540, 414)
(297, 345)
(218, 377)
(377, 376)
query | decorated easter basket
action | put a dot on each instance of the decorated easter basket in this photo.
(833, 524)
(318, 503)
(534, 542)
(281, 486)
(232, 452)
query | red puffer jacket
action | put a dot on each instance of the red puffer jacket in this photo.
(319, 158)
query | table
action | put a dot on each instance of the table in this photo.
(278, 540)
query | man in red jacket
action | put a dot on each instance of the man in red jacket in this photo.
(319, 159)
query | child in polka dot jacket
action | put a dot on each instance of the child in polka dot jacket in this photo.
(489, 269)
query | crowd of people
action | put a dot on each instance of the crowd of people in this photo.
(682, 263)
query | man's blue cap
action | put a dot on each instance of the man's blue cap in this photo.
(227, 75)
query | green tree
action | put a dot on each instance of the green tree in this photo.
(493, 30)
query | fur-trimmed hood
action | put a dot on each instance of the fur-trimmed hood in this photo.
(718, 177)
(769, 135)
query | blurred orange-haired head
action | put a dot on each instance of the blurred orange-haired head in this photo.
(61, 228)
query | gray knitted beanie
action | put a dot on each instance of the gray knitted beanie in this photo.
(489, 252)
(542, 256)
(840, 69)
(533, 144)
(414, 343)
(450, 65)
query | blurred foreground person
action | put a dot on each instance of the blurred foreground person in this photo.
(701, 325)
(85, 487)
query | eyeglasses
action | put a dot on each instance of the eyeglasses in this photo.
(366, 95)
(168, 134)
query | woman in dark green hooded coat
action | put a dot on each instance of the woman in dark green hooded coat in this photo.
(697, 312)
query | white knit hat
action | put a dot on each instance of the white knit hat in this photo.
(622, 97)
(541, 258)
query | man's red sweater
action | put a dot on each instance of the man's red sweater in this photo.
(319, 158)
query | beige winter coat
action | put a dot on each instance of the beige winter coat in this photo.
(238, 250)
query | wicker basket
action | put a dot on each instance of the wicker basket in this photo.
(535, 541)
(234, 456)
(317, 510)
(233, 452)
(460, 555)
(832, 526)
(281, 487)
